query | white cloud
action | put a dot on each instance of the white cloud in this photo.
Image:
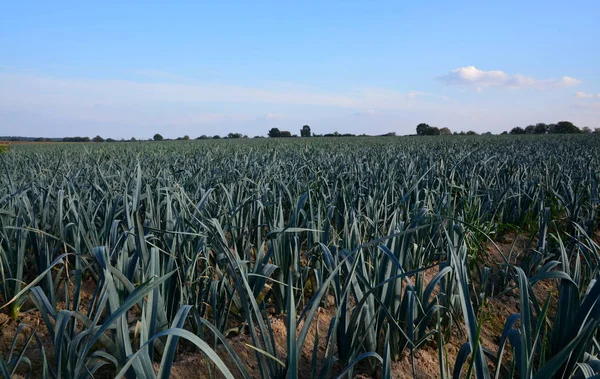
(583, 95)
(568, 81)
(471, 75)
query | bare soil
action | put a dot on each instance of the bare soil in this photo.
(191, 364)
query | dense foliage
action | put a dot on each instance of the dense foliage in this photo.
(188, 240)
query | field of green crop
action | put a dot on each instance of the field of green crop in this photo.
(310, 258)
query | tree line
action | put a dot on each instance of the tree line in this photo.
(561, 127)
(423, 129)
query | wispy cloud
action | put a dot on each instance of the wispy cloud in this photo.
(25, 88)
(584, 95)
(28, 89)
(166, 99)
(32, 103)
(472, 76)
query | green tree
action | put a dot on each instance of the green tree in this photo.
(305, 131)
(422, 129)
(517, 130)
(445, 131)
(158, 137)
(274, 133)
(565, 127)
(285, 134)
(98, 139)
(540, 128)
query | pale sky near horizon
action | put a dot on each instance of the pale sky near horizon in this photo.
(121, 69)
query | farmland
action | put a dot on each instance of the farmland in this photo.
(443, 256)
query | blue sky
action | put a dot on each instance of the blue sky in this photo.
(122, 69)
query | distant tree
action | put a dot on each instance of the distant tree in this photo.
(596, 130)
(98, 139)
(75, 139)
(204, 136)
(234, 135)
(422, 129)
(586, 129)
(285, 134)
(186, 138)
(530, 129)
(426, 130)
(110, 140)
(158, 137)
(216, 136)
(445, 131)
(504, 133)
(471, 133)
(540, 128)
(133, 139)
(274, 133)
(305, 131)
(565, 127)
(517, 130)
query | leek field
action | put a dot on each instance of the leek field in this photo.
(425, 257)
